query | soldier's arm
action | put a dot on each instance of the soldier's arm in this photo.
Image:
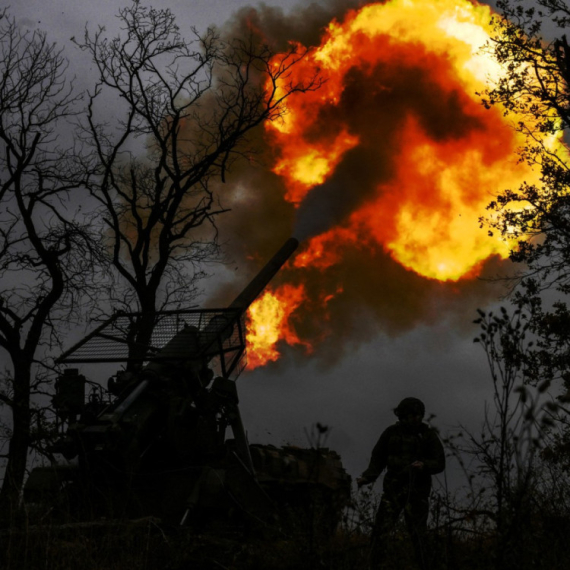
(434, 462)
(378, 460)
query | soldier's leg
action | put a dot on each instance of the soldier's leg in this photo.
(416, 515)
(391, 505)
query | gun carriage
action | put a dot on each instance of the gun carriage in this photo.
(155, 442)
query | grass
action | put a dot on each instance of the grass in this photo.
(147, 543)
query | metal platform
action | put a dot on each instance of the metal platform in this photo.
(177, 335)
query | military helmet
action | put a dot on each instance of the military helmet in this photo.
(410, 407)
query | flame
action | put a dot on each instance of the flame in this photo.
(426, 216)
(268, 321)
(397, 134)
(306, 165)
(325, 249)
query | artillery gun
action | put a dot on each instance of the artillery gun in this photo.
(154, 443)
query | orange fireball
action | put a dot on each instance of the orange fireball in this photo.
(394, 160)
(421, 61)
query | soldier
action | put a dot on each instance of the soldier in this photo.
(411, 452)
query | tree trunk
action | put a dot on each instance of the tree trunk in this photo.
(143, 328)
(19, 443)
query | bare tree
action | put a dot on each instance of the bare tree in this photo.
(43, 250)
(189, 105)
(510, 495)
(535, 89)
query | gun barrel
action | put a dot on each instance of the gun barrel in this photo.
(220, 327)
(260, 281)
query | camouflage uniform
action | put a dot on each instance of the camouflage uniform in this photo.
(405, 488)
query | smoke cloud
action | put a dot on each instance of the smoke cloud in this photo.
(366, 290)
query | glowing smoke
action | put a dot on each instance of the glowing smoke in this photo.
(385, 170)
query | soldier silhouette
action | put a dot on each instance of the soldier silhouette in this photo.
(411, 453)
